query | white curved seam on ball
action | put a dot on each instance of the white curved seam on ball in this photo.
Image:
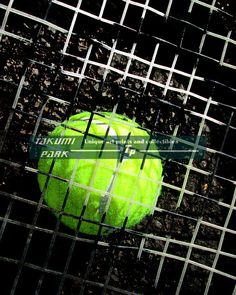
(105, 197)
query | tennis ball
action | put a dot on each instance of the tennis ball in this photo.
(121, 188)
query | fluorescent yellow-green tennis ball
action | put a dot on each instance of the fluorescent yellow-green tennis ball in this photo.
(119, 188)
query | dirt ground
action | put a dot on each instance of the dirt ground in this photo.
(113, 265)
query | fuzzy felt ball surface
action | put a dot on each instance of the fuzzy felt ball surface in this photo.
(83, 190)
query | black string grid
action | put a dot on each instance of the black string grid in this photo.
(168, 65)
